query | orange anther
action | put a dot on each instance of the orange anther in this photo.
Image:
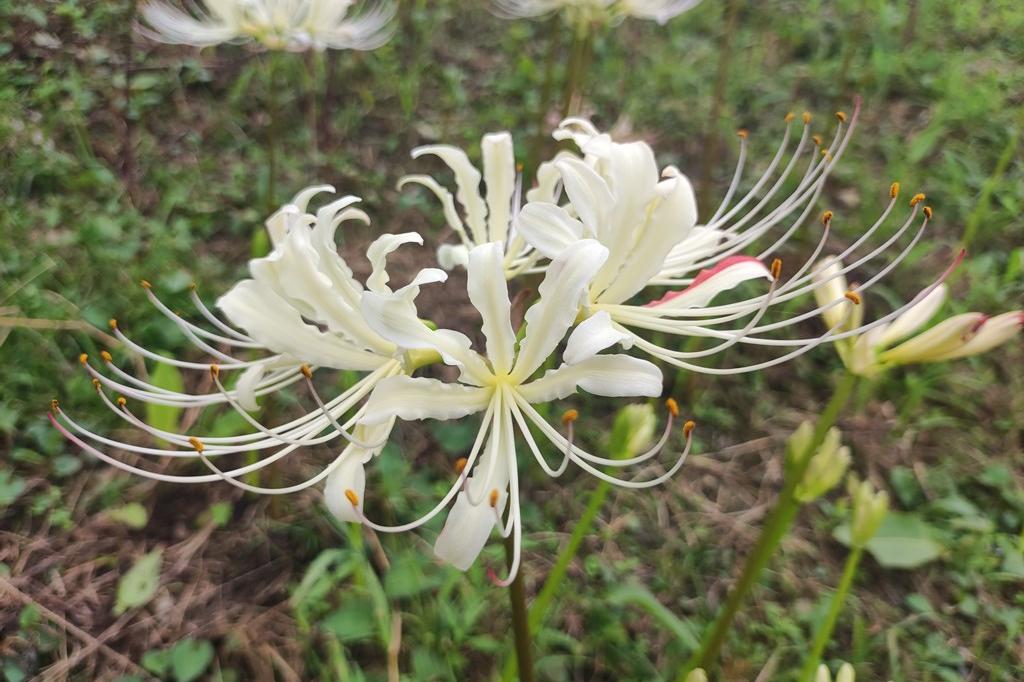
(215, 371)
(54, 405)
(460, 465)
(121, 401)
(841, 115)
(789, 117)
(742, 132)
(927, 212)
(817, 140)
(83, 358)
(106, 356)
(306, 371)
(853, 296)
(688, 427)
(776, 268)
(113, 323)
(673, 407)
(894, 190)
(570, 416)
(197, 444)
(351, 496)
(145, 284)
(917, 199)
(96, 384)
(826, 217)
(494, 498)
(806, 116)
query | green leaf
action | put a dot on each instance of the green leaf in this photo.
(10, 487)
(133, 515)
(139, 584)
(190, 658)
(165, 417)
(65, 465)
(902, 541)
(406, 578)
(638, 595)
(355, 620)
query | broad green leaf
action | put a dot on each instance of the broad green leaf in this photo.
(902, 541)
(190, 658)
(355, 620)
(139, 584)
(133, 515)
(165, 417)
(406, 578)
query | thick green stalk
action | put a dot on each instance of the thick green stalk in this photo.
(775, 529)
(520, 625)
(541, 604)
(824, 633)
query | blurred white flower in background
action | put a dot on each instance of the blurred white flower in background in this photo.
(876, 350)
(291, 25)
(596, 11)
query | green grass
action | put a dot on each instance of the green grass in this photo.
(279, 588)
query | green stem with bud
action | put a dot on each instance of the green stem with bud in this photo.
(775, 529)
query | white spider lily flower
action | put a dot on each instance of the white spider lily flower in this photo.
(648, 221)
(879, 349)
(577, 12)
(299, 310)
(485, 218)
(292, 25)
(500, 385)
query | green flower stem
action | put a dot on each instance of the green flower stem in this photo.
(520, 625)
(775, 529)
(579, 62)
(544, 105)
(273, 108)
(824, 633)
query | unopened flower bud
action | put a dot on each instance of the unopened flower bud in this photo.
(868, 508)
(826, 468)
(799, 445)
(697, 675)
(845, 674)
(633, 430)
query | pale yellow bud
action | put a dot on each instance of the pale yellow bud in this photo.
(633, 431)
(697, 675)
(826, 468)
(798, 445)
(868, 510)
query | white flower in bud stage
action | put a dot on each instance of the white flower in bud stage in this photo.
(292, 25)
(648, 221)
(301, 311)
(500, 385)
(596, 11)
(880, 348)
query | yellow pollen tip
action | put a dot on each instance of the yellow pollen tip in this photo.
(145, 284)
(494, 498)
(351, 496)
(192, 286)
(121, 401)
(825, 153)
(106, 356)
(817, 140)
(789, 117)
(460, 465)
(54, 406)
(806, 116)
(688, 427)
(113, 323)
(917, 199)
(841, 115)
(928, 212)
(776, 269)
(853, 296)
(894, 190)
(826, 217)
(570, 416)
(519, 168)
(196, 444)
(742, 132)
(673, 407)
(96, 384)
(306, 371)
(83, 358)
(214, 371)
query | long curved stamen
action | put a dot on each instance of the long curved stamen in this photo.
(391, 368)
(172, 361)
(213, 319)
(192, 331)
(517, 528)
(532, 444)
(561, 442)
(452, 492)
(494, 444)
